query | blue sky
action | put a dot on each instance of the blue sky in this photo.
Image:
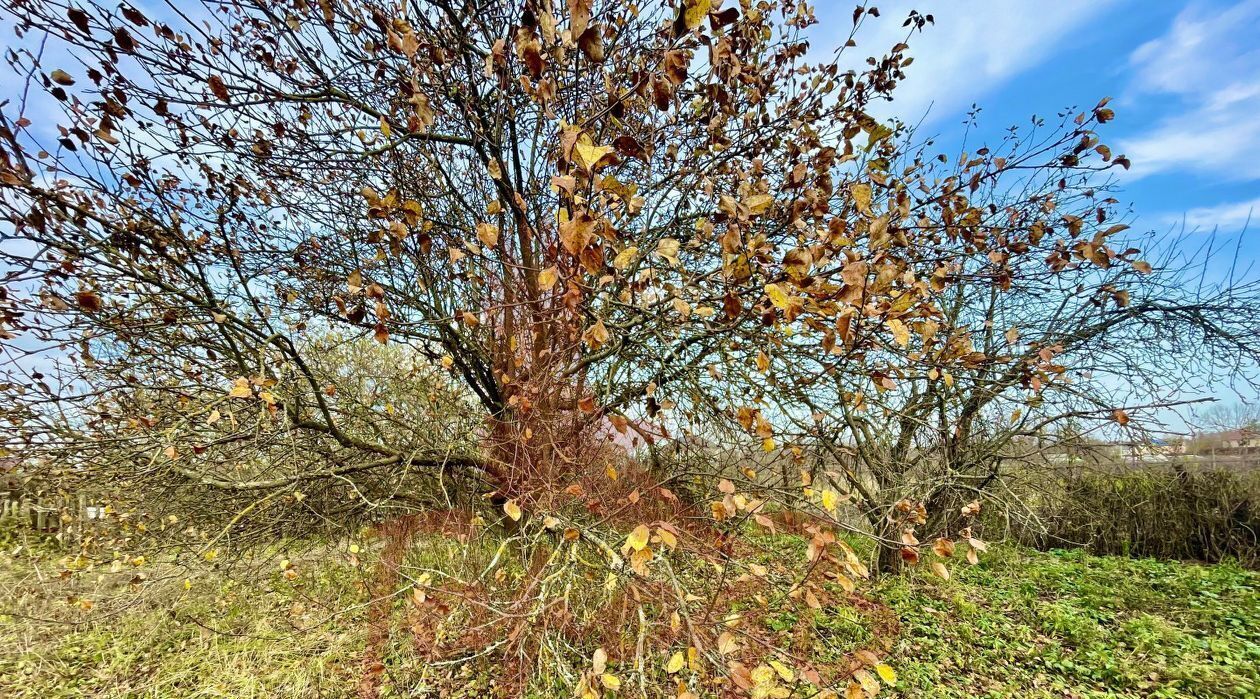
(1183, 75)
(1184, 78)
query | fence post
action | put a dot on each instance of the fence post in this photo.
(81, 516)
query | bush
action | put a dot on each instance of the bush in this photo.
(1175, 514)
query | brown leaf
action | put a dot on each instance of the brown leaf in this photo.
(576, 233)
(579, 16)
(596, 336)
(218, 88)
(629, 147)
(79, 18)
(122, 37)
(88, 301)
(133, 15)
(591, 42)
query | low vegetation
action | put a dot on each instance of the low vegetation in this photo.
(1160, 512)
(1019, 623)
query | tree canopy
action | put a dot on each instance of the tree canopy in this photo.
(351, 256)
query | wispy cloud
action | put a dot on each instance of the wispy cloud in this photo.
(1209, 61)
(974, 49)
(1229, 217)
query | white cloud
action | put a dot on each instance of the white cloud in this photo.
(1228, 217)
(972, 49)
(1209, 60)
(1201, 48)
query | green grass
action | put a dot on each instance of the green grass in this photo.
(1019, 624)
(1029, 624)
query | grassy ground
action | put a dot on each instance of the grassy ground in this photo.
(1028, 624)
(1019, 624)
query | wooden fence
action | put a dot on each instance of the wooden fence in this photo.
(69, 518)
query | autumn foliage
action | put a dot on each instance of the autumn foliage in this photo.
(308, 264)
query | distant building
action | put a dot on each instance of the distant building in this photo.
(1240, 442)
(1156, 447)
(1245, 438)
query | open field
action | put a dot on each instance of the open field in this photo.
(1018, 624)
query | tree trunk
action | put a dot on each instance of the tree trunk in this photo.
(889, 562)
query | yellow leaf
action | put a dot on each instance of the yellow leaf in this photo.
(488, 234)
(610, 682)
(726, 643)
(694, 12)
(625, 257)
(869, 684)
(513, 510)
(886, 673)
(638, 538)
(845, 582)
(667, 538)
(240, 389)
(639, 560)
(547, 278)
(676, 662)
(591, 155)
(783, 670)
(778, 297)
(900, 333)
(829, 500)
(758, 203)
(668, 249)
(862, 197)
(767, 445)
(941, 571)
